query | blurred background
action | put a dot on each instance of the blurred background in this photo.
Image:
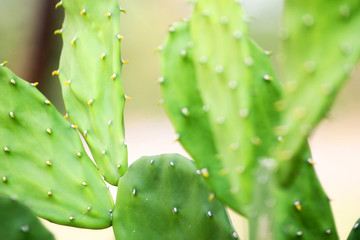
(28, 43)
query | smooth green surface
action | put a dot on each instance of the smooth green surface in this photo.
(42, 160)
(163, 197)
(19, 223)
(320, 48)
(355, 231)
(90, 74)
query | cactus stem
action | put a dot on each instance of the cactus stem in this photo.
(13, 82)
(244, 113)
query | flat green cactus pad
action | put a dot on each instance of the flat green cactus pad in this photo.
(90, 73)
(303, 210)
(165, 197)
(222, 100)
(320, 48)
(355, 232)
(17, 222)
(42, 161)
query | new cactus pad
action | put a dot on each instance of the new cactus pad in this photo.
(320, 50)
(165, 197)
(43, 162)
(90, 74)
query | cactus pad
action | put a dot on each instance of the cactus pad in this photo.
(90, 73)
(163, 197)
(42, 160)
(19, 223)
(355, 232)
(221, 100)
(320, 48)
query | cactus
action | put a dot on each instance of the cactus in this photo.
(90, 75)
(43, 162)
(355, 232)
(226, 105)
(209, 82)
(21, 223)
(319, 51)
(171, 201)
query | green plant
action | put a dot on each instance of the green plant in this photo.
(246, 130)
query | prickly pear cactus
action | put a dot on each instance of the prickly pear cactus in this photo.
(90, 73)
(221, 100)
(226, 104)
(355, 232)
(42, 160)
(302, 210)
(164, 197)
(320, 48)
(19, 223)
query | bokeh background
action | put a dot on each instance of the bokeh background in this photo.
(28, 43)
